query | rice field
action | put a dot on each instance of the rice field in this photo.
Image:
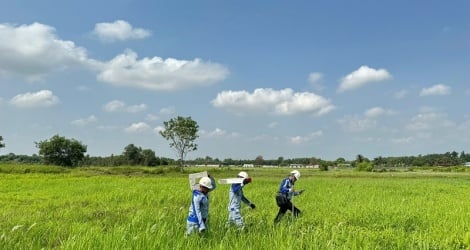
(146, 208)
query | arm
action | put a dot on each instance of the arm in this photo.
(197, 210)
(285, 186)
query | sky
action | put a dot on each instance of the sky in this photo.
(291, 79)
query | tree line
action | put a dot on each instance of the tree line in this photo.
(181, 132)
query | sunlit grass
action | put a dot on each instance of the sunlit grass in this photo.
(103, 208)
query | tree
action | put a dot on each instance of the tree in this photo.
(61, 151)
(132, 154)
(2, 145)
(149, 158)
(182, 134)
(259, 161)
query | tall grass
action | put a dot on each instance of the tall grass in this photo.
(130, 209)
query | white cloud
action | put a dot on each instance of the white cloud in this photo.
(119, 30)
(362, 76)
(136, 108)
(32, 51)
(157, 129)
(151, 117)
(377, 111)
(428, 120)
(158, 74)
(84, 121)
(315, 79)
(217, 132)
(280, 102)
(307, 138)
(42, 98)
(116, 105)
(167, 111)
(438, 89)
(137, 127)
(356, 124)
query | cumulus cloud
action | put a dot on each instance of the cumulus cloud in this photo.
(84, 121)
(119, 31)
(280, 102)
(159, 74)
(362, 76)
(438, 89)
(42, 98)
(32, 51)
(120, 106)
(138, 127)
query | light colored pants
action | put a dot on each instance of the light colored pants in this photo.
(191, 227)
(235, 216)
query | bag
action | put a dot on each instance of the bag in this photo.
(281, 199)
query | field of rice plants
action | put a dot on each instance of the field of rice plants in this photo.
(146, 208)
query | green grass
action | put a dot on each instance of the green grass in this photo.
(146, 208)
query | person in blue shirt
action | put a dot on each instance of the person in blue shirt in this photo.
(236, 197)
(285, 194)
(199, 208)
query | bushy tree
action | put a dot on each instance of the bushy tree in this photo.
(62, 151)
(182, 134)
(2, 145)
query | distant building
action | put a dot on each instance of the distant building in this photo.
(467, 164)
(248, 165)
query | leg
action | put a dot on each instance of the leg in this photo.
(296, 211)
(280, 214)
(191, 227)
(235, 216)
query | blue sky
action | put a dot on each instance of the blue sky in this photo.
(323, 79)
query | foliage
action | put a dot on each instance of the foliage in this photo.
(138, 156)
(364, 166)
(182, 134)
(61, 151)
(2, 145)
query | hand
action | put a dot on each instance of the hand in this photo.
(252, 206)
(246, 181)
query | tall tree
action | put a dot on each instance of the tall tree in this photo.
(62, 151)
(2, 145)
(133, 154)
(182, 134)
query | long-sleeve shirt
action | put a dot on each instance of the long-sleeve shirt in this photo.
(199, 209)
(236, 196)
(287, 188)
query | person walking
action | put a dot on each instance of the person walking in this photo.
(285, 194)
(199, 208)
(236, 197)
